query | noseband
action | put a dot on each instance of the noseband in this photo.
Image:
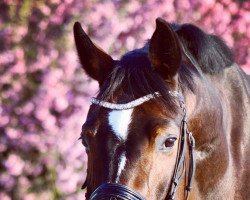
(114, 191)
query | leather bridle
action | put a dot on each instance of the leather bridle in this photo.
(186, 137)
(114, 191)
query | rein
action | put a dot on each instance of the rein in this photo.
(117, 191)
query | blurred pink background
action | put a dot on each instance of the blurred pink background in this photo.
(45, 94)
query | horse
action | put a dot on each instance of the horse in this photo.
(171, 120)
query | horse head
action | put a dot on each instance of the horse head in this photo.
(138, 132)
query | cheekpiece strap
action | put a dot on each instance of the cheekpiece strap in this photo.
(131, 104)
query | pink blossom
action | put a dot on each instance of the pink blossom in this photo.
(13, 133)
(7, 181)
(4, 196)
(14, 164)
(2, 147)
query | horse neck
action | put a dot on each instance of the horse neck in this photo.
(204, 106)
(215, 118)
(223, 96)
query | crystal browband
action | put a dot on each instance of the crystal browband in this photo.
(131, 104)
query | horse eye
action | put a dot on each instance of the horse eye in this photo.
(170, 142)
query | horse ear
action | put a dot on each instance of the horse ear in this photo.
(95, 62)
(165, 50)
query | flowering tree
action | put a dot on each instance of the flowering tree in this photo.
(44, 93)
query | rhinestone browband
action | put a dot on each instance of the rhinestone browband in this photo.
(131, 104)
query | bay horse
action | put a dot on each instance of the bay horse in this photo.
(171, 119)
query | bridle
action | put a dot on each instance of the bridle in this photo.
(185, 137)
(114, 191)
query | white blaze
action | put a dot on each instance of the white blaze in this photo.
(119, 121)
(121, 165)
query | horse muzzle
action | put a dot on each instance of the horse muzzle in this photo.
(113, 191)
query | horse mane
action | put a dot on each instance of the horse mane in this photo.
(210, 52)
(133, 76)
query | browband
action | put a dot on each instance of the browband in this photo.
(131, 104)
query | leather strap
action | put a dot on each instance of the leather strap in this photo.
(185, 137)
